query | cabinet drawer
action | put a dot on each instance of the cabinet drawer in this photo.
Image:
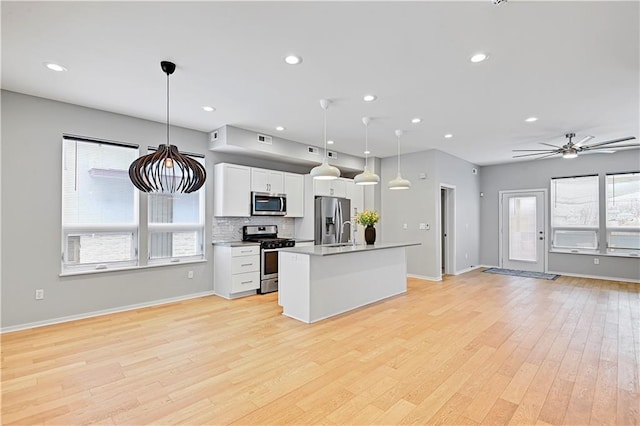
(242, 264)
(245, 251)
(244, 282)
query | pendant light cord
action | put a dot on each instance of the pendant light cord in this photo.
(366, 146)
(398, 155)
(167, 109)
(325, 133)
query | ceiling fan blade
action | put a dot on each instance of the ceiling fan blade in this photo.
(594, 147)
(548, 144)
(537, 153)
(583, 141)
(600, 151)
(630, 138)
(548, 155)
(539, 150)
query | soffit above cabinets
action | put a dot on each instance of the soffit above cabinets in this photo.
(235, 140)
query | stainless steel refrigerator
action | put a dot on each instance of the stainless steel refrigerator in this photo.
(330, 214)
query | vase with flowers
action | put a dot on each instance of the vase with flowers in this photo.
(368, 218)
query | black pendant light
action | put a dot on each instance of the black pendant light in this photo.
(166, 170)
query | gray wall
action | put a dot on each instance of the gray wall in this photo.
(421, 204)
(31, 213)
(537, 174)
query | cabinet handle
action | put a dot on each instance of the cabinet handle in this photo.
(245, 251)
(246, 264)
(246, 282)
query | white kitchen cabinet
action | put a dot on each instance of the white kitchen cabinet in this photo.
(231, 190)
(355, 193)
(330, 188)
(236, 270)
(263, 180)
(294, 189)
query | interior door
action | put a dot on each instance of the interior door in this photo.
(523, 231)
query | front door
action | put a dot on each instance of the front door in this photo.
(523, 231)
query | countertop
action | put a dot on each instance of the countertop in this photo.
(235, 243)
(329, 251)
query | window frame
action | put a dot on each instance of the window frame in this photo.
(576, 228)
(610, 229)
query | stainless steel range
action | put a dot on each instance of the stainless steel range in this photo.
(267, 236)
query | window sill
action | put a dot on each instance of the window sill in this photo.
(130, 268)
(595, 253)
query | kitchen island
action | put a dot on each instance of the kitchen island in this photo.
(319, 282)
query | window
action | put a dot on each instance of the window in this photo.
(99, 206)
(623, 212)
(100, 214)
(575, 213)
(176, 226)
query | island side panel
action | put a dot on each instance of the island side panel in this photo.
(293, 285)
(348, 281)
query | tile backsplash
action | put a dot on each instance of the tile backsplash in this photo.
(230, 228)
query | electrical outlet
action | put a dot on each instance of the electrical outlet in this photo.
(190, 274)
(404, 226)
(422, 226)
(39, 293)
(596, 261)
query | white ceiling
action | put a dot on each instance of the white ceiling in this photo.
(575, 65)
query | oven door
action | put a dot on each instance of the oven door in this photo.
(266, 204)
(269, 264)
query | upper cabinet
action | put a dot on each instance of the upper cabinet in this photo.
(232, 190)
(263, 180)
(356, 194)
(330, 188)
(294, 188)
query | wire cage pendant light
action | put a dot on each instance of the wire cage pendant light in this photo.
(367, 177)
(399, 182)
(167, 170)
(325, 171)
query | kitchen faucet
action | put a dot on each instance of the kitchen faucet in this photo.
(353, 231)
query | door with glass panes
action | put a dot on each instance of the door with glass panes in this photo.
(523, 230)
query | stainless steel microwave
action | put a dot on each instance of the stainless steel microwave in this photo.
(267, 204)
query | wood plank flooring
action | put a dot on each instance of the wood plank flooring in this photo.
(474, 349)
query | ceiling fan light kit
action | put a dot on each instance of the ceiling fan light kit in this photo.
(573, 149)
(325, 171)
(167, 170)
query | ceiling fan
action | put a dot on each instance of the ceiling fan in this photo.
(572, 149)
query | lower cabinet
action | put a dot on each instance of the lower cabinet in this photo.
(236, 270)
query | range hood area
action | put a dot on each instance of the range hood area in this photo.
(235, 140)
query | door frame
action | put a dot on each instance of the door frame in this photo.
(545, 226)
(450, 225)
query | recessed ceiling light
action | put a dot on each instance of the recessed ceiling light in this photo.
(54, 67)
(369, 98)
(329, 142)
(293, 59)
(448, 136)
(416, 120)
(478, 57)
(280, 128)
(208, 108)
(531, 119)
(367, 152)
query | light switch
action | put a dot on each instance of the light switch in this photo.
(404, 226)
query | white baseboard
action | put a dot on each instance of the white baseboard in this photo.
(469, 269)
(424, 277)
(596, 277)
(102, 312)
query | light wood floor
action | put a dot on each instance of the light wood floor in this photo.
(474, 349)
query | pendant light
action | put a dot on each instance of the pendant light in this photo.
(167, 170)
(324, 171)
(367, 177)
(399, 182)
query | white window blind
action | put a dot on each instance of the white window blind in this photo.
(99, 205)
(623, 212)
(575, 213)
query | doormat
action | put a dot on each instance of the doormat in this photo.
(528, 274)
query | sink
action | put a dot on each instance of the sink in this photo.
(337, 245)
